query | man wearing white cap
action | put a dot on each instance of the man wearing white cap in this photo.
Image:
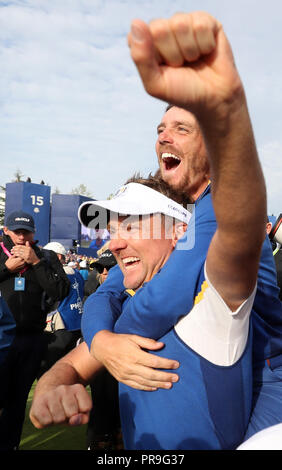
(140, 259)
(83, 269)
(145, 227)
(182, 149)
(197, 72)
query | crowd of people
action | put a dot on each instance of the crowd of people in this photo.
(177, 325)
(43, 290)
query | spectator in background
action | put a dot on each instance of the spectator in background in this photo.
(7, 329)
(275, 236)
(7, 334)
(104, 264)
(63, 322)
(103, 431)
(30, 280)
(101, 237)
(83, 269)
(76, 265)
(94, 280)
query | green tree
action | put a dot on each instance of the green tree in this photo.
(82, 190)
(18, 175)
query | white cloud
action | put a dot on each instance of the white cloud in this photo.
(270, 155)
(72, 105)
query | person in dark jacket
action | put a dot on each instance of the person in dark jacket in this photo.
(98, 272)
(63, 321)
(275, 236)
(7, 334)
(103, 430)
(31, 279)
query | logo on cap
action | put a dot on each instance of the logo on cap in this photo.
(120, 191)
(21, 219)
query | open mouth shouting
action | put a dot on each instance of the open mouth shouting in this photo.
(130, 262)
(133, 271)
(170, 161)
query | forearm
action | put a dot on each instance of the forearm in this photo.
(239, 200)
(237, 178)
(62, 373)
(76, 367)
(60, 395)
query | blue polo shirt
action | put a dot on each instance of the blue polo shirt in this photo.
(71, 308)
(169, 299)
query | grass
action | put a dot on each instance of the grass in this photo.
(53, 438)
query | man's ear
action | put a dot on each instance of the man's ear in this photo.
(268, 227)
(5, 230)
(178, 232)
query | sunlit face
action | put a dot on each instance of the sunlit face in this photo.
(181, 152)
(20, 236)
(139, 253)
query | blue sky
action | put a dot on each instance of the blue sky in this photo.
(73, 110)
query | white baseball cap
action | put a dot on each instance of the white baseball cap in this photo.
(131, 199)
(56, 247)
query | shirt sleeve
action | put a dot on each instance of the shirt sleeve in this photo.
(103, 307)
(213, 330)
